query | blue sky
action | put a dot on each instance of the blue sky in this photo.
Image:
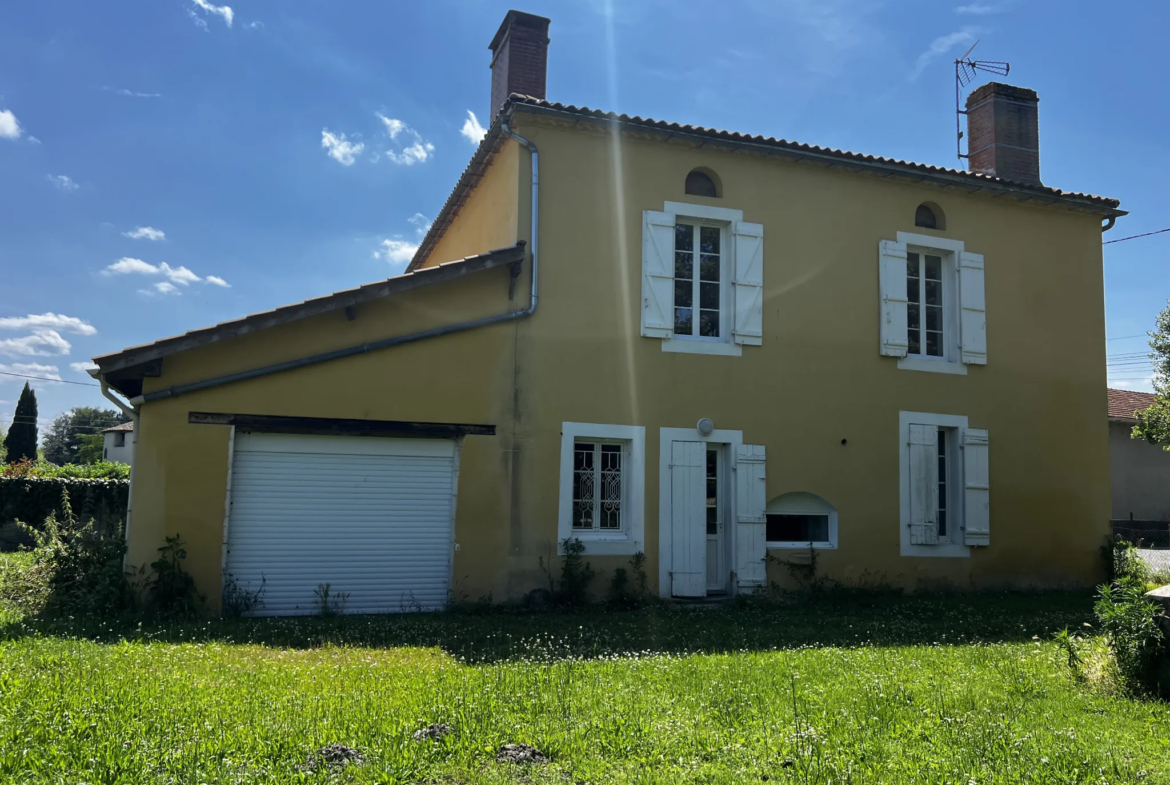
(168, 164)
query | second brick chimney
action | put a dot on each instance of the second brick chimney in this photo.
(1003, 134)
(519, 58)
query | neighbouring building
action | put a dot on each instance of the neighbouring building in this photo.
(118, 443)
(713, 348)
(1139, 473)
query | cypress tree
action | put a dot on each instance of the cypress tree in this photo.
(21, 441)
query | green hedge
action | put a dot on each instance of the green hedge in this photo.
(32, 499)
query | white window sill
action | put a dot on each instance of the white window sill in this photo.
(683, 346)
(948, 550)
(606, 544)
(932, 366)
(800, 546)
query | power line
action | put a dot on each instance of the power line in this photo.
(1134, 237)
(1125, 337)
(47, 379)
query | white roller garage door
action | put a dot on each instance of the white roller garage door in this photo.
(369, 516)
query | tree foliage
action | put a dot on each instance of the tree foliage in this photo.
(21, 441)
(92, 447)
(64, 440)
(1154, 423)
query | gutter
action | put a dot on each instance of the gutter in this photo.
(398, 340)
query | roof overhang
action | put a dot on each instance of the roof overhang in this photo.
(134, 363)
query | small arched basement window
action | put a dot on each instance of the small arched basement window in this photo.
(796, 519)
(930, 216)
(700, 183)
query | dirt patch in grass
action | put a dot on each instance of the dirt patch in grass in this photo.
(433, 732)
(520, 753)
(333, 756)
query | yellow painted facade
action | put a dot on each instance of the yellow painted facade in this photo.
(817, 378)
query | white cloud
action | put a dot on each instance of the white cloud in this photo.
(175, 275)
(254, 26)
(31, 369)
(215, 280)
(417, 151)
(200, 22)
(145, 233)
(420, 222)
(472, 130)
(132, 93)
(979, 9)
(48, 321)
(9, 127)
(940, 46)
(62, 182)
(340, 150)
(396, 251)
(393, 127)
(219, 10)
(129, 265)
(41, 343)
(84, 367)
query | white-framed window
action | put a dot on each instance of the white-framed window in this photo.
(602, 487)
(702, 279)
(798, 519)
(700, 290)
(933, 316)
(943, 470)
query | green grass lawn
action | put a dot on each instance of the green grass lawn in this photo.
(848, 689)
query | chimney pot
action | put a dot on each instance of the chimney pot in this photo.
(1003, 134)
(519, 58)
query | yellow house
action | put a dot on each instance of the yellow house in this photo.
(706, 347)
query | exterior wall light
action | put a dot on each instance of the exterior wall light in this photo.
(705, 427)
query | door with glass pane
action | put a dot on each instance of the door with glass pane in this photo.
(715, 518)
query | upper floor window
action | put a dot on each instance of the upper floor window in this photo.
(698, 278)
(933, 315)
(928, 304)
(700, 183)
(702, 279)
(929, 216)
(119, 439)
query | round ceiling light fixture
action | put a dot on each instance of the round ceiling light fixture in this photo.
(705, 427)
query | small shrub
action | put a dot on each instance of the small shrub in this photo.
(170, 590)
(1070, 644)
(1129, 621)
(629, 592)
(329, 602)
(77, 570)
(1122, 561)
(238, 600)
(576, 575)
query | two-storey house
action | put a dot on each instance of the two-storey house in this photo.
(700, 345)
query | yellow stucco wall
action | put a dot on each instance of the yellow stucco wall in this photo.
(817, 378)
(489, 218)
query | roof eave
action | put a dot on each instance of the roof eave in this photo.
(138, 355)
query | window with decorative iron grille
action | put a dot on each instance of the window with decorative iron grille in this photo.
(597, 486)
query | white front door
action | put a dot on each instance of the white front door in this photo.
(715, 519)
(688, 480)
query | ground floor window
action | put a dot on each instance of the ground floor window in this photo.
(601, 487)
(797, 519)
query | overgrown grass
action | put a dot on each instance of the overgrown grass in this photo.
(846, 689)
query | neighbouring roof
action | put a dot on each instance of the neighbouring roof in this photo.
(1123, 403)
(347, 298)
(889, 167)
(126, 426)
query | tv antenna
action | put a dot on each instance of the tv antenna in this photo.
(966, 70)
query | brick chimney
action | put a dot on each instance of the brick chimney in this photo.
(519, 58)
(1003, 136)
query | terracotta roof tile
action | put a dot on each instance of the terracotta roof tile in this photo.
(1123, 403)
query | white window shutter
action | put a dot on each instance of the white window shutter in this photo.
(688, 519)
(657, 274)
(895, 341)
(923, 485)
(976, 488)
(749, 283)
(751, 501)
(973, 321)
